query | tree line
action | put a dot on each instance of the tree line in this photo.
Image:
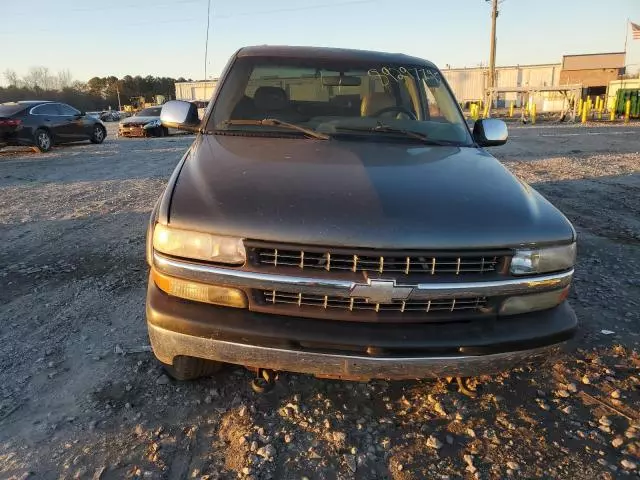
(99, 93)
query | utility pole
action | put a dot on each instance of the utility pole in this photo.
(118, 92)
(492, 55)
(206, 45)
(492, 59)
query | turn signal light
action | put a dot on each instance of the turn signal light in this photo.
(533, 302)
(200, 292)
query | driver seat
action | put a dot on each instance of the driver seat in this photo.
(376, 101)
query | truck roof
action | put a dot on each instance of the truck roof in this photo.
(331, 54)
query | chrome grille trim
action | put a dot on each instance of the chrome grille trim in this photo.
(277, 297)
(399, 264)
(234, 277)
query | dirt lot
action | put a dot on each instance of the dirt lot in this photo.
(82, 397)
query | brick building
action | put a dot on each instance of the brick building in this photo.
(594, 70)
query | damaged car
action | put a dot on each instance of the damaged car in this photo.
(336, 216)
(145, 123)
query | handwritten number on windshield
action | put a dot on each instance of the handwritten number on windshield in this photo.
(388, 74)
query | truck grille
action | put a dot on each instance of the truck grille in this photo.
(476, 304)
(446, 264)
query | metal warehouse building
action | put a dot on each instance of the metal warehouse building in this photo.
(469, 84)
(198, 91)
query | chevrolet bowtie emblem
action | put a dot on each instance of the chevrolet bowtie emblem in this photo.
(380, 291)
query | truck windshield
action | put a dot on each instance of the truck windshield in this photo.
(339, 99)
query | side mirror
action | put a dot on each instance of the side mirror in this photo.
(490, 132)
(81, 114)
(180, 115)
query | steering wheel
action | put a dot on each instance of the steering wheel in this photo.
(396, 108)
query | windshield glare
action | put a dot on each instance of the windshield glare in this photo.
(342, 98)
(149, 112)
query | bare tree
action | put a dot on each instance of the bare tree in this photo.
(64, 79)
(11, 77)
(39, 77)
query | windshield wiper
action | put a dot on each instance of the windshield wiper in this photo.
(274, 122)
(384, 128)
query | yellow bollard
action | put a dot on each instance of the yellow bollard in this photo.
(580, 103)
(485, 112)
(533, 113)
(511, 109)
(585, 111)
(602, 106)
(627, 111)
(612, 114)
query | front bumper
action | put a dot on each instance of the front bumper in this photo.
(353, 350)
(133, 132)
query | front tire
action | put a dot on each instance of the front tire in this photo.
(98, 134)
(43, 140)
(191, 368)
(161, 132)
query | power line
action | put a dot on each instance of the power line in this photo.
(221, 17)
(295, 9)
(129, 6)
(135, 24)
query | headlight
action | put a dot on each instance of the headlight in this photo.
(152, 124)
(533, 302)
(543, 260)
(198, 245)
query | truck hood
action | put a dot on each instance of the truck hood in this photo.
(359, 194)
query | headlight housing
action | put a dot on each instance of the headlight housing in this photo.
(543, 260)
(198, 245)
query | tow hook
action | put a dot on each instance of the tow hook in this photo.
(264, 381)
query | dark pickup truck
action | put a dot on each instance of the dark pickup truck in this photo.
(336, 216)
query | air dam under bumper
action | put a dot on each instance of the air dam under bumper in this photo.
(178, 327)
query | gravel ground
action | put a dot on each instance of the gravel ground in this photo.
(82, 397)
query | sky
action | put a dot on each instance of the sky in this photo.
(167, 37)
